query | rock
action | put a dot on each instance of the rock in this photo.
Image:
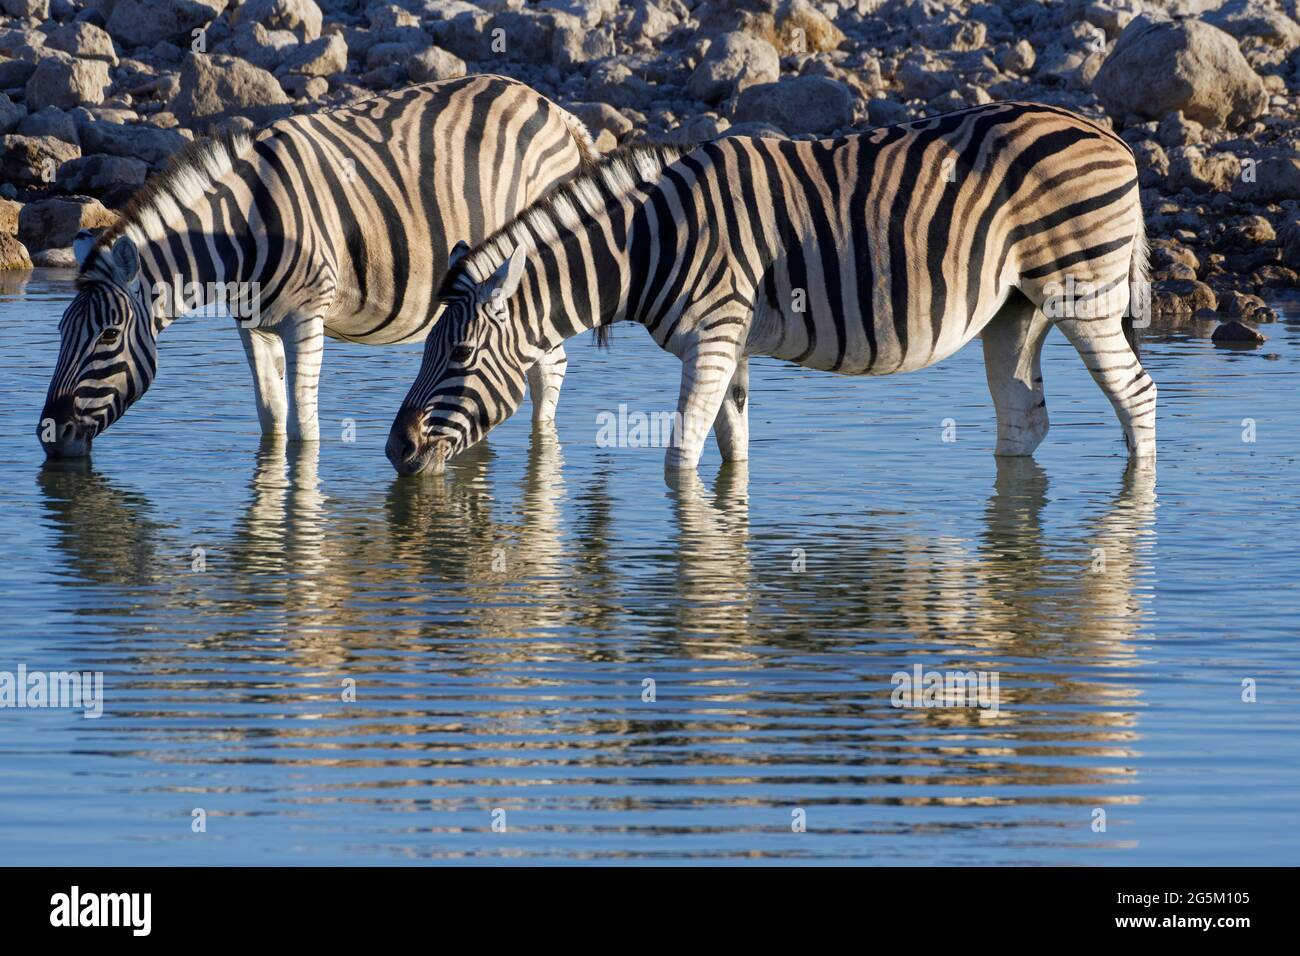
(304, 87)
(11, 114)
(1159, 67)
(33, 160)
(923, 78)
(63, 258)
(27, 9)
(1237, 333)
(13, 254)
(146, 22)
(147, 143)
(1274, 178)
(214, 87)
(65, 82)
(572, 44)
(589, 13)
(303, 17)
(467, 35)
(1181, 297)
(15, 73)
(1017, 58)
(9, 217)
(734, 61)
(1191, 167)
(1244, 19)
(803, 28)
(1242, 305)
(82, 39)
(261, 47)
(1176, 130)
(435, 64)
(323, 57)
(51, 223)
(886, 113)
(601, 117)
(528, 37)
(614, 83)
(799, 104)
(98, 174)
(50, 121)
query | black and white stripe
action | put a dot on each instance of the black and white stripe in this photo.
(340, 220)
(876, 253)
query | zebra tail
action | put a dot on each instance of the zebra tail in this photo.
(1139, 287)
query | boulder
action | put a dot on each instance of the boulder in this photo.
(9, 217)
(435, 64)
(572, 45)
(1252, 18)
(101, 174)
(50, 121)
(1161, 66)
(734, 61)
(65, 82)
(33, 160)
(82, 39)
(1274, 178)
(11, 114)
(214, 87)
(13, 254)
(15, 73)
(62, 257)
(27, 9)
(146, 22)
(146, 143)
(1237, 333)
(797, 104)
(302, 17)
(54, 223)
(321, 57)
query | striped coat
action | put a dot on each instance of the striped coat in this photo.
(876, 253)
(335, 223)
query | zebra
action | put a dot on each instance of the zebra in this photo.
(336, 223)
(882, 251)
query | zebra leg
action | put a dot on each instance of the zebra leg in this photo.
(1013, 345)
(1106, 352)
(731, 427)
(304, 346)
(707, 368)
(265, 355)
(544, 381)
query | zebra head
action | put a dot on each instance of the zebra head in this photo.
(472, 375)
(108, 352)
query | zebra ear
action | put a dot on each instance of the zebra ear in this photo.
(126, 259)
(82, 245)
(503, 283)
(458, 252)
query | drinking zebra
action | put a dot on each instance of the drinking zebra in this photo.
(875, 253)
(337, 223)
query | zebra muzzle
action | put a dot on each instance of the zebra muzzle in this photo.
(59, 433)
(409, 451)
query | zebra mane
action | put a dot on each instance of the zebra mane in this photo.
(179, 186)
(567, 206)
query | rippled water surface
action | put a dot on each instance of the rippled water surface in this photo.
(502, 623)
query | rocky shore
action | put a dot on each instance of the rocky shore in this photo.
(97, 95)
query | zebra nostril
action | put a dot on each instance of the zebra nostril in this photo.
(409, 449)
(67, 431)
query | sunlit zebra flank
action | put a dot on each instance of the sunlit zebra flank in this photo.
(337, 223)
(880, 252)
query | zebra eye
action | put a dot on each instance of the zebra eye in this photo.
(109, 335)
(460, 353)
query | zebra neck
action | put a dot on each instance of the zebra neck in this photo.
(181, 279)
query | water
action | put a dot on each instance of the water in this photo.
(500, 623)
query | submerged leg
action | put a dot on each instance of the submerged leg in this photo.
(544, 382)
(304, 347)
(731, 427)
(707, 369)
(1116, 369)
(265, 354)
(1013, 346)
